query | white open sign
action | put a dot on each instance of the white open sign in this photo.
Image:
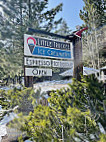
(38, 72)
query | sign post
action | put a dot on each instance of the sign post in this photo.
(42, 54)
(78, 63)
(48, 51)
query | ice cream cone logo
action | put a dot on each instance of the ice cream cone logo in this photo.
(31, 43)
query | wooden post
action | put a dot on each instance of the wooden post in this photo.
(78, 64)
(28, 80)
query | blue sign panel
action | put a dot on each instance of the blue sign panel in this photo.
(35, 46)
(50, 52)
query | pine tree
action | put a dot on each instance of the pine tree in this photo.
(102, 138)
(73, 114)
(18, 15)
(24, 100)
(63, 29)
(93, 15)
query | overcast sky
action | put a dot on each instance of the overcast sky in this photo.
(70, 13)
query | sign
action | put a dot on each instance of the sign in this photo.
(35, 46)
(37, 62)
(62, 64)
(47, 63)
(38, 72)
(49, 52)
(42, 47)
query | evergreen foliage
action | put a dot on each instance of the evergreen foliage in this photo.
(102, 138)
(73, 114)
(63, 29)
(23, 100)
(17, 16)
(94, 17)
(93, 13)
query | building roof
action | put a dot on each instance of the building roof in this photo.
(103, 68)
(86, 71)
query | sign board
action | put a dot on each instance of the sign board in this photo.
(47, 63)
(62, 64)
(37, 62)
(44, 57)
(38, 72)
(36, 46)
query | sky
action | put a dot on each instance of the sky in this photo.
(70, 12)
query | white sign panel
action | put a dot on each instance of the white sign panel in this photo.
(42, 47)
(38, 72)
(37, 62)
(47, 63)
(62, 64)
